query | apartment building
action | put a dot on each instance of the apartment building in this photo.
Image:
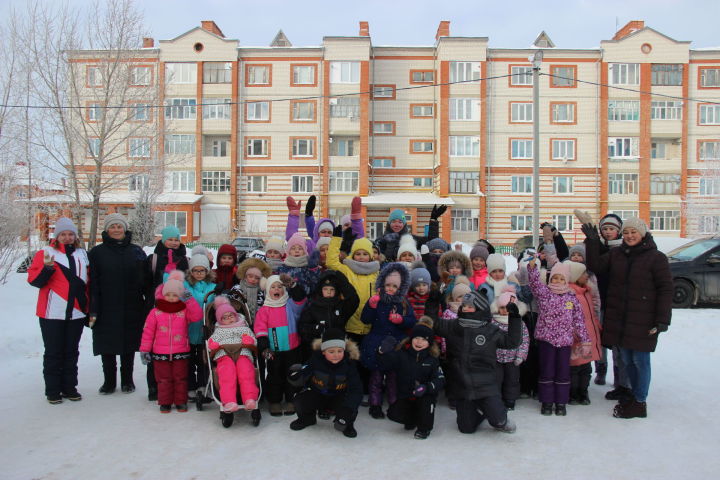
(631, 127)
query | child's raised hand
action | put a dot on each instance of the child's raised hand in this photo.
(48, 260)
(395, 318)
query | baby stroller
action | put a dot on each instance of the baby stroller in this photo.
(212, 388)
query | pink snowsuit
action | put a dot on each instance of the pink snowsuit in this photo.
(231, 373)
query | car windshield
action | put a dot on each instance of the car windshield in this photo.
(694, 250)
(244, 242)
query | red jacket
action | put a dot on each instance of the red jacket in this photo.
(478, 277)
(166, 326)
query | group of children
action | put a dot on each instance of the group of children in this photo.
(335, 318)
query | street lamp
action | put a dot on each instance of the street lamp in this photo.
(536, 60)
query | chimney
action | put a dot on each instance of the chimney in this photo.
(364, 29)
(210, 26)
(631, 27)
(443, 29)
(148, 42)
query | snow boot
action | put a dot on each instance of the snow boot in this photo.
(620, 393)
(421, 434)
(54, 399)
(560, 409)
(73, 396)
(509, 427)
(276, 410)
(181, 407)
(584, 398)
(509, 404)
(376, 412)
(631, 409)
(347, 428)
(600, 373)
(165, 408)
(110, 373)
(546, 409)
(301, 423)
(289, 409)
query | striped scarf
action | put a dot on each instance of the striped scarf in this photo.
(418, 303)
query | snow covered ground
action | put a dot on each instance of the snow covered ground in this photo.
(124, 435)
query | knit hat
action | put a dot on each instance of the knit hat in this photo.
(579, 248)
(460, 290)
(495, 261)
(296, 239)
(423, 329)
(345, 219)
(115, 218)
(477, 299)
(361, 244)
(561, 269)
(199, 260)
(438, 244)
(419, 275)
(199, 249)
(325, 226)
(576, 270)
(637, 224)
(274, 243)
(332, 337)
(611, 219)
(271, 279)
(397, 214)
(171, 231)
(505, 298)
(174, 283)
(480, 251)
(407, 244)
(322, 241)
(64, 224)
(222, 306)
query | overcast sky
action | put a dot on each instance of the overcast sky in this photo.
(507, 23)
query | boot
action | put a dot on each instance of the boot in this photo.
(301, 423)
(347, 428)
(584, 398)
(54, 399)
(289, 409)
(108, 387)
(421, 434)
(546, 409)
(126, 378)
(276, 409)
(620, 393)
(376, 412)
(560, 409)
(600, 373)
(73, 396)
(509, 427)
(631, 409)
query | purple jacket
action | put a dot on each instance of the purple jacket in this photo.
(521, 353)
(293, 225)
(561, 318)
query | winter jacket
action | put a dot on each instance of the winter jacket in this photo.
(389, 243)
(198, 291)
(592, 325)
(364, 285)
(64, 285)
(381, 327)
(478, 278)
(226, 275)
(519, 353)
(165, 260)
(230, 335)
(640, 291)
(428, 304)
(166, 330)
(323, 313)
(276, 327)
(472, 354)
(306, 276)
(414, 368)
(431, 263)
(119, 285)
(560, 318)
(356, 224)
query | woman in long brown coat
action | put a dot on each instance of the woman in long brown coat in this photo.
(639, 303)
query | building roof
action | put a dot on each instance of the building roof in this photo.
(121, 197)
(406, 199)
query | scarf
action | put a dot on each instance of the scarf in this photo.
(502, 319)
(280, 302)
(559, 289)
(362, 268)
(613, 243)
(301, 261)
(251, 295)
(396, 299)
(274, 263)
(169, 307)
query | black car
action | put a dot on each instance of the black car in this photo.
(695, 268)
(245, 245)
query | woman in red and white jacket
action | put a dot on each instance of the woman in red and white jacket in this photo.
(60, 271)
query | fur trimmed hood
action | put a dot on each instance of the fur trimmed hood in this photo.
(404, 277)
(250, 263)
(433, 349)
(352, 351)
(455, 256)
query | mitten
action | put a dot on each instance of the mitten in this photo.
(387, 344)
(373, 301)
(395, 318)
(213, 344)
(420, 390)
(248, 340)
(513, 309)
(293, 206)
(145, 358)
(590, 231)
(287, 280)
(348, 236)
(310, 206)
(356, 209)
(338, 231)
(517, 362)
(437, 211)
(295, 375)
(48, 260)
(584, 217)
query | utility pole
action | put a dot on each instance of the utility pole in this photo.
(536, 62)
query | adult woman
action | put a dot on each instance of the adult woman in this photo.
(60, 271)
(397, 226)
(639, 304)
(118, 288)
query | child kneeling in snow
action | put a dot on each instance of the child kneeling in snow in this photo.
(229, 348)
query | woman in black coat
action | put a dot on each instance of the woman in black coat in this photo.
(118, 288)
(397, 226)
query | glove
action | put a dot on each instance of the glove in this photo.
(395, 318)
(548, 232)
(661, 327)
(338, 231)
(513, 309)
(145, 358)
(584, 217)
(295, 375)
(420, 390)
(373, 301)
(310, 206)
(388, 344)
(517, 362)
(48, 260)
(287, 280)
(348, 235)
(219, 288)
(268, 354)
(437, 211)
(293, 206)
(356, 209)
(590, 231)
(248, 340)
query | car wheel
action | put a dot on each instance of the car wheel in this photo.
(683, 294)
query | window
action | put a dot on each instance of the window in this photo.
(521, 149)
(303, 147)
(464, 182)
(709, 77)
(344, 72)
(257, 147)
(521, 76)
(622, 183)
(215, 181)
(139, 148)
(258, 75)
(422, 146)
(345, 107)
(623, 147)
(521, 112)
(180, 108)
(302, 110)
(623, 110)
(94, 77)
(303, 75)
(710, 186)
(709, 224)
(217, 147)
(464, 146)
(520, 223)
(625, 214)
(709, 150)
(666, 110)
(302, 184)
(521, 184)
(709, 114)
(93, 147)
(422, 76)
(563, 223)
(383, 92)
(563, 76)
(664, 219)
(562, 185)
(563, 149)
(422, 182)
(257, 112)
(166, 219)
(664, 184)
(140, 76)
(343, 181)
(138, 182)
(216, 108)
(562, 112)
(383, 128)
(465, 220)
(465, 109)
(342, 147)
(217, 72)
(139, 112)
(383, 162)
(257, 184)
(624, 74)
(657, 149)
(422, 110)
(182, 181)
(94, 112)
(667, 74)
(178, 73)
(376, 229)
(464, 71)
(179, 144)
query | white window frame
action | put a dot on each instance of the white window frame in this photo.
(625, 214)
(344, 72)
(138, 182)
(301, 184)
(465, 109)
(710, 77)
(622, 183)
(520, 223)
(623, 110)
(95, 112)
(383, 128)
(666, 110)
(180, 109)
(217, 72)
(140, 76)
(142, 108)
(344, 181)
(563, 76)
(628, 146)
(521, 75)
(709, 150)
(383, 91)
(252, 143)
(138, 147)
(257, 111)
(658, 150)
(465, 220)
(303, 75)
(709, 115)
(217, 147)
(709, 187)
(464, 182)
(215, 181)
(307, 108)
(257, 184)
(179, 144)
(624, 73)
(563, 223)
(665, 220)
(664, 184)
(179, 73)
(563, 113)
(167, 218)
(521, 184)
(563, 184)
(93, 149)
(423, 144)
(518, 145)
(303, 147)
(181, 181)
(464, 71)
(343, 147)
(419, 76)
(382, 163)
(94, 76)
(709, 224)
(464, 146)
(422, 182)
(521, 112)
(666, 74)
(216, 108)
(563, 149)
(258, 75)
(423, 111)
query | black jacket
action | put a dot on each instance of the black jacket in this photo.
(330, 379)
(323, 313)
(389, 243)
(414, 368)
(161, 261)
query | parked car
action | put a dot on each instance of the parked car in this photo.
(245, 245)
(695, 268)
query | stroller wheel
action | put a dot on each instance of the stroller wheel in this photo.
(227, 419)
(255, 416)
